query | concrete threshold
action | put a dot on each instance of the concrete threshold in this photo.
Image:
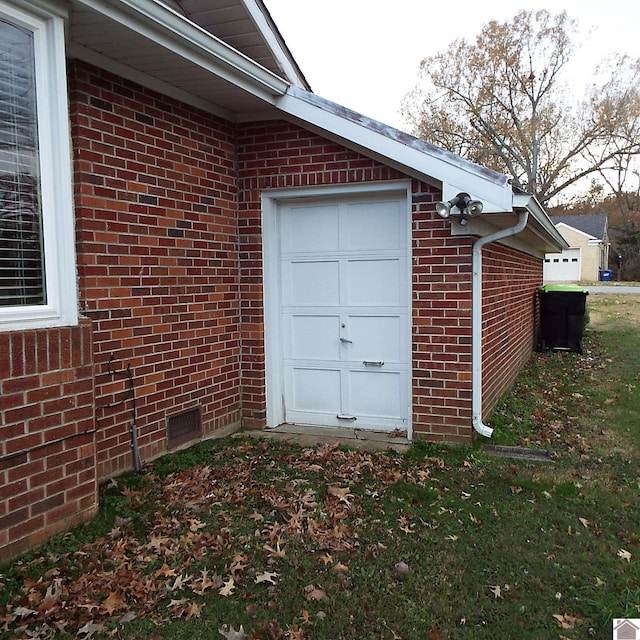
(311, 435)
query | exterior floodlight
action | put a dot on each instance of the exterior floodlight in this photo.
(467, 208)
(443, 209)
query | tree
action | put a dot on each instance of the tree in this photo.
(502, 102)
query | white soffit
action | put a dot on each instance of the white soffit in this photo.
(155, 40)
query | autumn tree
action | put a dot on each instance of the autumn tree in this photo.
(503, 101)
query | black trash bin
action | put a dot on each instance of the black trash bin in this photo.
(562, 317)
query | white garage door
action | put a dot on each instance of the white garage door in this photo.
(344, 281)
(562, 267)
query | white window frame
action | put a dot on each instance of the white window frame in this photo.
(54, 139)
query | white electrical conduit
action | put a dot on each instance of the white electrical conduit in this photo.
(476, 330)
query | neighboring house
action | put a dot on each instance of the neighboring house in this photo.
(191, 243)
(588, 252)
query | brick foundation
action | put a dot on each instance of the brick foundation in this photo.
(47, 434)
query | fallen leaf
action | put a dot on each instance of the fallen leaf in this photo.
(164, 571)
(585, 522)
(625, 555)
(266, 576)
(312, 593)
(127, 617)
(193, 611)
(227, 588)
(112, 603)
(231, 634)
(342, 493)
(566, 621)
(340, 568)
(274, 630)
(295, 633)
(496, 590)
(196, 525)
(22, 612)
(434, 634)
(89, 629)
(177, 603)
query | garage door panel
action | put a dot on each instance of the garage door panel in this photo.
(376, 338)
(375, 394)
(310, 228)
(374, 282)
(311, 283)
(315, 390)
(312, 337)
(373, 226)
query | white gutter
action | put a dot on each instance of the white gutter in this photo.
(476, 330)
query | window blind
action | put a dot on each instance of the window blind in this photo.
(22, 279)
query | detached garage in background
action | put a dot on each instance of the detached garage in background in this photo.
(222, 249)
(588, 254)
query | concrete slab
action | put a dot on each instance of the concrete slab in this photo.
(309, 436)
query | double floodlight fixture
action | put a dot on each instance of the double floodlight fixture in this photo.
(466, 208)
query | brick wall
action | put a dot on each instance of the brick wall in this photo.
(279, 155)
(510, 282)
(47, 450)
(156, 201)
(441, 332)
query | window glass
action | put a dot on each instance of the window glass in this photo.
(21, 239)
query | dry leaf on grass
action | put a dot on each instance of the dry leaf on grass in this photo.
(266, 576)
(313, 593)
(566, 621)
(231, 634)
(625, 555)
(227, 588)
(89, 629)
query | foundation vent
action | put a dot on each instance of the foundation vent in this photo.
(184, 426)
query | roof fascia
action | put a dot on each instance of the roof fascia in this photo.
(163, 25)
(535, 209)
(442, 170)
(44, 7)
(269, 30)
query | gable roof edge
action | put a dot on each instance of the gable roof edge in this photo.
(163, 25)
(412, 156)
(263, 21)
(580, 231)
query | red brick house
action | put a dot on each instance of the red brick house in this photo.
(192, 243)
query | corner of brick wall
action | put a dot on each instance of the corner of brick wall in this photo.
(47, 434)
(441, 327)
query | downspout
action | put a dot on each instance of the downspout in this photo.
(476, 330)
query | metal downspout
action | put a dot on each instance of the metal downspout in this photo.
(476, 331)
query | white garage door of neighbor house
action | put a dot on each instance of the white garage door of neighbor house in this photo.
(345, 326)
(562, 267)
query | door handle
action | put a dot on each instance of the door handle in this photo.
(373, 363)
(347, 418)
(345, 341)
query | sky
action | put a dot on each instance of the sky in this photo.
(365, 54)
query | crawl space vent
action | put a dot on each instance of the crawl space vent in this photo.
(184, 426)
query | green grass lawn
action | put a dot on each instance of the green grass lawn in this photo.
(332, 543)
